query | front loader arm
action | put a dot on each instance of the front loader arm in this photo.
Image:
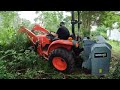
(39, 28)
(30, 34)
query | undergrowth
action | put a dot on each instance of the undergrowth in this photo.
(17, 62)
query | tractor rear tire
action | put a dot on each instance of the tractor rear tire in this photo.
(62, 60)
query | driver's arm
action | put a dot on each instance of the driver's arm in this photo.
(54, 34)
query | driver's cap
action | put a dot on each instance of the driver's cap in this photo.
(62, 23)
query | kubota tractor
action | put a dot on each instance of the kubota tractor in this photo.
(63, 54)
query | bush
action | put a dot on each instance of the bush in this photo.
(103, 31)
(116, 73)
(23, 65)
(95, 33)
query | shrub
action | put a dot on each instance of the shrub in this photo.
(101, 30)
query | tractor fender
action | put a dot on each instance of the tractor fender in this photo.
(61, 44)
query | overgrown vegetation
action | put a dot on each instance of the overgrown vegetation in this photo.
(17, 62)
(101, 30)
(115, 61)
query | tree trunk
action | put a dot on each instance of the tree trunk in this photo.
(86, 22)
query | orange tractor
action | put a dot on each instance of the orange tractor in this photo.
(63, 54)
(60, 53)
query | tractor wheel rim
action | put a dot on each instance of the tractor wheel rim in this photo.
(59, 63)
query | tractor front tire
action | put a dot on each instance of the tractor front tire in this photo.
(62, 60)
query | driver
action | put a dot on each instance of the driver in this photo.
(62, 32)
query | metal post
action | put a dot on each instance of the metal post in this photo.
(72, 22)
(78, 23)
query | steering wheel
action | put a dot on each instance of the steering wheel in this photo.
(50, 36)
